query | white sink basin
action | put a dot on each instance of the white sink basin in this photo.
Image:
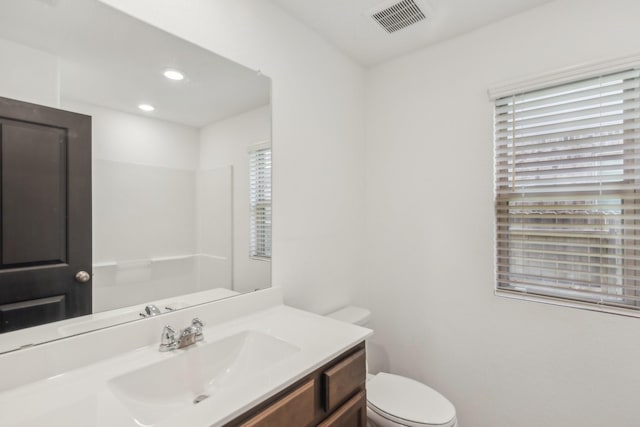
(197, 373)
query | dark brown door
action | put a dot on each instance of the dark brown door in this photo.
(45, 214)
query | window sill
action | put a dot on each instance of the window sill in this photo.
(559, 301)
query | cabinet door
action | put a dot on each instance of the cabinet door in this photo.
(45, 214)
(343, 379)
(294, 409)
(351, 414)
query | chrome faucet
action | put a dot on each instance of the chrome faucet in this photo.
(171, 340)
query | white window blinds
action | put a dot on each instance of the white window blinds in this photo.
(567, 176)
(260, 201)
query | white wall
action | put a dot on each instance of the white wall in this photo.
(318, 126)
(131, 138)
(429, 199)
(227, 143)
(142, 167)
(28, 74)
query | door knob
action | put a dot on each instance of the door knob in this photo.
(82, 277)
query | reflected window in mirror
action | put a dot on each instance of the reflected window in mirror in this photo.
(260, 201)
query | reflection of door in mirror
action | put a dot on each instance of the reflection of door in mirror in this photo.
(45, 176)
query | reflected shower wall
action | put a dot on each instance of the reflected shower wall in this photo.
(161, 224)
(214, 227)
(159, 232)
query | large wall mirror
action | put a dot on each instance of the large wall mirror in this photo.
(181, 207)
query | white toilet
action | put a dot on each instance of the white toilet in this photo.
(393, 400)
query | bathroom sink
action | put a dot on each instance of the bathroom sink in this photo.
(197, 373)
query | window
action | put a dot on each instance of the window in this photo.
(567, 182)
(260, 201)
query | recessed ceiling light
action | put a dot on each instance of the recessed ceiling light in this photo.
(146, 107)
(174, 75)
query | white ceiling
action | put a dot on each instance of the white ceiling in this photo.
(110, 59)
(347, 23)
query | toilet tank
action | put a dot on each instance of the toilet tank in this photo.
(352, 314)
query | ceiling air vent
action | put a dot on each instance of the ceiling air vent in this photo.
(398, 16)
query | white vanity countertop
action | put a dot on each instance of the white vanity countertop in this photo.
(84, 397)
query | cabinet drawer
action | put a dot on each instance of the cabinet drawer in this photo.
(295, 409)
(351, 414)
(344, 379)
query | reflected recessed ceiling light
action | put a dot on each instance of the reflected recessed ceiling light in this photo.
(173, 75)
(146, 107)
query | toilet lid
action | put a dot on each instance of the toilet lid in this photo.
(405, 400)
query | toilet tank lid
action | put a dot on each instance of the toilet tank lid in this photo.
(352, 314)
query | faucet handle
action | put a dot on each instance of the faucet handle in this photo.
(168, 338)
(196, 325)
(152, 310)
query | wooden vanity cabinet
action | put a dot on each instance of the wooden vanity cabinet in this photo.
(332, 396)
(353, 413)
(296, 408)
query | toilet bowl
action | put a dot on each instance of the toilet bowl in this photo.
(394, 400)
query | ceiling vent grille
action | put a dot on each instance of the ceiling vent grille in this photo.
(399, 16)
